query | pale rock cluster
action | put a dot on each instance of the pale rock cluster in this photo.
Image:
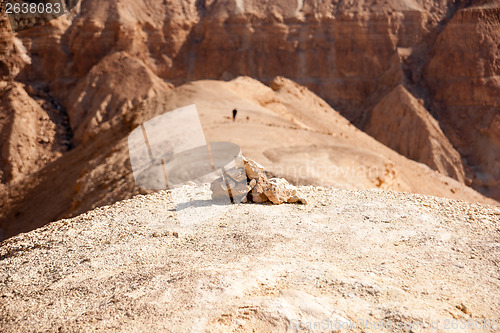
(248, 182)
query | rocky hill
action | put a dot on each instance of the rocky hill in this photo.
(374, 261)
(420, 76)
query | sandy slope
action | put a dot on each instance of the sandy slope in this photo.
(347, 256)
(289, 130)
(296, 135)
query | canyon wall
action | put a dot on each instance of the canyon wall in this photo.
(463, 77)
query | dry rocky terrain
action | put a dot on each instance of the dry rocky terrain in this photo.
(379, 257)
(420, 76)
(384, 112)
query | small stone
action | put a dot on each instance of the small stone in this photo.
(219, 189)
(296, 199)
(462, 307)
(31, 90)
(240, 322)
(262, 183)
(239, 192)
(253, 169)
(280, 191)
(224, 188)
(258, 197)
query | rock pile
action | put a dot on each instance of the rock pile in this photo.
(247, 182)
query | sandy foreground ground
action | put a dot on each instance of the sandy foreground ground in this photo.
(349, 260)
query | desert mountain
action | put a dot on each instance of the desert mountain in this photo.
(288, 129)
(356, 261)
(83, 81)
(465, 98)
(350, 53)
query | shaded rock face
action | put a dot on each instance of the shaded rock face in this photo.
(339, 49)
(382, 257)
(108, 92)
(401, 122)
(28, 137)
(463, 78)
(13, 55)
(233, 185)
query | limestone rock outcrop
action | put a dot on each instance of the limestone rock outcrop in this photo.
(28, 138)
(249, 183)
(232, 185)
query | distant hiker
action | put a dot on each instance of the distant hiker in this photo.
(234, 114)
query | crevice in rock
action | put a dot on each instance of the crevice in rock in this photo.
(57, 114)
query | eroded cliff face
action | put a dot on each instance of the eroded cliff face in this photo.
(13, 55)
(346, 51)
(464, 83)
(31, 128)
(351, 53)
